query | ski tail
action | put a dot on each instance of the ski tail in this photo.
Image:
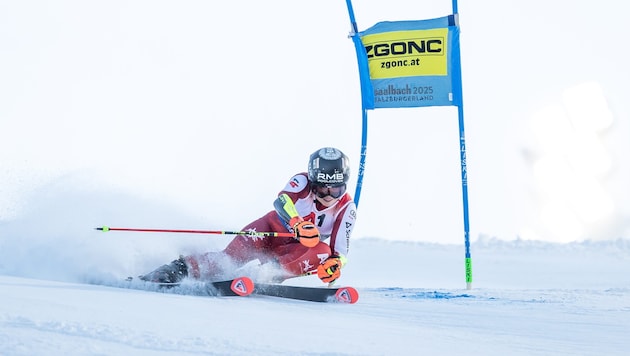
(240, 286)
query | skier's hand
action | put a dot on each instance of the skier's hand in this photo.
(306, 232)
(330, 270)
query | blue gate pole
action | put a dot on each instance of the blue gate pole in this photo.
(462, 145)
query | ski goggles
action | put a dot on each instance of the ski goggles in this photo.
(323, 191)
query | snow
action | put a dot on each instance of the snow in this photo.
(62, 293)
(64, 318)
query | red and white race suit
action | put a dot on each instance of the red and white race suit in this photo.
(335, 224)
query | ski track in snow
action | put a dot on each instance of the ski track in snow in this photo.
(537, 321)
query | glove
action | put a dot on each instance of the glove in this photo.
(330, 270)
(306, 232)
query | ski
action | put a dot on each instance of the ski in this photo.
(240, 286)
(244, 286)
(312, 294)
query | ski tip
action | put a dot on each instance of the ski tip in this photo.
(242, 286)
(347, 295)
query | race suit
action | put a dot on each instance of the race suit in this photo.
(335, 224)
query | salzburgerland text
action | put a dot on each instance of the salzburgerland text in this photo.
(393, 99)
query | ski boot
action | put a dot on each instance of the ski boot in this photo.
(173, 272)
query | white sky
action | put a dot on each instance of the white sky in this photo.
(211, 108)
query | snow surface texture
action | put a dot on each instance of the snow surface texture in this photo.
(528, 298)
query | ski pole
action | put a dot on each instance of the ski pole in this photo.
(217, 232)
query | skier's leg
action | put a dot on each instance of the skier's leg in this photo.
(244, 248)
(241, 250)
(208, 266)
(297, 259)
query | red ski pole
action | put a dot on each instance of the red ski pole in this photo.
(216, 232)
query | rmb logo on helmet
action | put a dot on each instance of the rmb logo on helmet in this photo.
(328, 167)
(335, 178)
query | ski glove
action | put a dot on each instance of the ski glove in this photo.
(305, 232)
(330, 270)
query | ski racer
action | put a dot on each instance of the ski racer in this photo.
(314, 206)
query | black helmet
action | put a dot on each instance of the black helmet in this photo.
(328, 167)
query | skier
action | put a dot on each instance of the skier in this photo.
(314, 206)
